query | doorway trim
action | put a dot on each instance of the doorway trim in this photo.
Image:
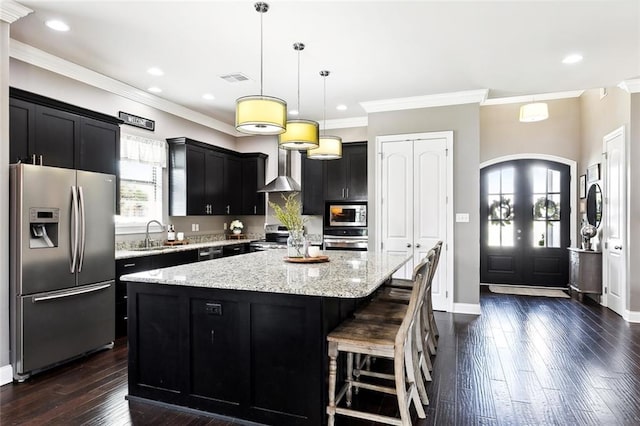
(449, 244)
(627, 315)
(573, 184)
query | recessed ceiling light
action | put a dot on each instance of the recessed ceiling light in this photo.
(57, 25)
(208, 96)
(293, 112)
(154, 89)
(341, 107)
(155, 71)
(574, 58)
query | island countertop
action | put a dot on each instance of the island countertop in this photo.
(347, 274)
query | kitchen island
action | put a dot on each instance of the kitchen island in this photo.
(245, 336)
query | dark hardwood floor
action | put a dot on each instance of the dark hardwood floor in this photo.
(524, 361)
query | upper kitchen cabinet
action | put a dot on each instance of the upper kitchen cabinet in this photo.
(312, 185)
(52, 133)
(205, 179)
(346, 178)
(253, 169)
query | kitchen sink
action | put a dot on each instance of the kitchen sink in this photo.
(154, 248)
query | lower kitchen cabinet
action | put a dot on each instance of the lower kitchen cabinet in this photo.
(251, 355)
(235, 249)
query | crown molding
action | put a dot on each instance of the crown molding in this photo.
(42, 59)
(532, 98)
(630, 86)
(345, 123)
(11, 11)
(427, 101)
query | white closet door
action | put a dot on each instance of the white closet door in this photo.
(397, 201)
(430, 208)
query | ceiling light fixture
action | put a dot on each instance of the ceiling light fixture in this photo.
(57, 25)
(341, 107)
(154, 89)
(259, 114)
(301, 134)
(536, 111)
(330, 146)
(208, 97)
(155, 71)
(574, 58)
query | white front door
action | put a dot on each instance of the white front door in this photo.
(414, 213)
(614, 247)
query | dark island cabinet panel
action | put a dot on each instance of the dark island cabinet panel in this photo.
(215, 364)
(252, 355)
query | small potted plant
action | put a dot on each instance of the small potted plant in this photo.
(236, 227)
(290, 216)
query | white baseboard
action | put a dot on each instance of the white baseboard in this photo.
(6, 374)
(631, 316)
(466, 308)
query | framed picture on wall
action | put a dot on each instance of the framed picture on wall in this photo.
(593, 173)
(583, 186)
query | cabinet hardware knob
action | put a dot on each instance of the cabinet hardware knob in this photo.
(128, 265)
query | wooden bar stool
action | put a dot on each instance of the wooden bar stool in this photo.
(384, 311)
(381, 340)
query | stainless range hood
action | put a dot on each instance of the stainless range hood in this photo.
(284, 182)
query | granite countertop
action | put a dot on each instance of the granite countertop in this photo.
(348, 274)
(128, 254)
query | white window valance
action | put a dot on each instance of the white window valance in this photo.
(143, 150)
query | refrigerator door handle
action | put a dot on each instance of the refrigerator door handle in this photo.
(83, 232)
(70, 293)
(74, 229)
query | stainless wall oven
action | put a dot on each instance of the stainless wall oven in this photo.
(345, 214)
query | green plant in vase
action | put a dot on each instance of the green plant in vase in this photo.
(290, 216)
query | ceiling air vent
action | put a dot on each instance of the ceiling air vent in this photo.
(234, 78)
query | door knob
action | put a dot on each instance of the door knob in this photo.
(418, 245)
(408, 244)
(618, 247)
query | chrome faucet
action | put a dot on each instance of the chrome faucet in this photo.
(147, 240)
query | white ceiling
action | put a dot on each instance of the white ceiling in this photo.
(374, 50)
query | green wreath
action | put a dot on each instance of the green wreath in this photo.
(545, 208)
(500, 211)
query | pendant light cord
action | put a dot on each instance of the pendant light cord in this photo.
(298, 106)
(261, 51)
(324, 74)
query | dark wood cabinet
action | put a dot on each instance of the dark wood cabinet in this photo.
(209, 180)
(52, 133)
(22, 130)
(252, 355)
(312, 185)
(346, 178)
(334, 180)
(253, 170)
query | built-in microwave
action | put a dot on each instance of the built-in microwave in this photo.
(345, 214)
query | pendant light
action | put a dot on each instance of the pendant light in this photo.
(260, 114)
(300, 134)
(330, 147)
(536, 111)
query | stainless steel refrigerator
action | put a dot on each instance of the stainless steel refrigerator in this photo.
(62, 268)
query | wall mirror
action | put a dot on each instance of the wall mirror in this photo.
(594, 205)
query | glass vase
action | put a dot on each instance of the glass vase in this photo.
(296, 244)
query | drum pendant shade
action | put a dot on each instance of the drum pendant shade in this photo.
(300, 134)
(330, 149)
(261, 115)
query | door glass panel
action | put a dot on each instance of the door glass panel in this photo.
(500, 199)
(546, 207)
